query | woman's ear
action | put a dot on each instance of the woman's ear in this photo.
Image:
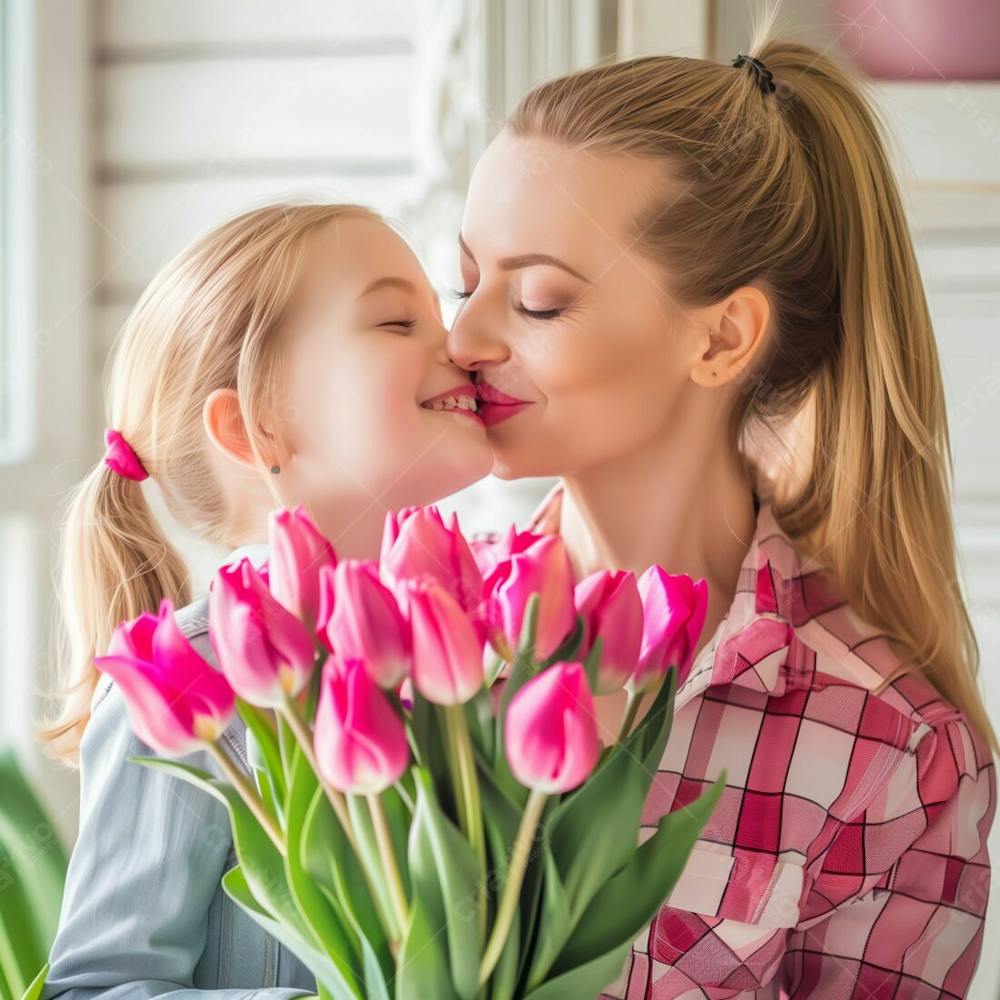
(225, 427)
(736, 329)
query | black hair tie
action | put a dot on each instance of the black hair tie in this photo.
(761, 73)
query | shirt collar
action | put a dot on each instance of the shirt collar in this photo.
(754, 645)
(256, 552)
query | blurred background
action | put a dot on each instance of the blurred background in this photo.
(130, 126)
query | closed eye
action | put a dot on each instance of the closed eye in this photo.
(539, 313)
(408, 323)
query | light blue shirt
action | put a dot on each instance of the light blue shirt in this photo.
(143, 914)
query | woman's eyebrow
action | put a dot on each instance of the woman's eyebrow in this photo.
(527, 260)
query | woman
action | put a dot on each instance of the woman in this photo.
(664, 262)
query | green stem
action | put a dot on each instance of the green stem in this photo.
(512, 887)
(290, 712)
(388, 856)
(292, 715)
(631, 708)
(242, 785)
(470, 809)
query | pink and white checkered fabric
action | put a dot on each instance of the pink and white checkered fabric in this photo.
(847, 855)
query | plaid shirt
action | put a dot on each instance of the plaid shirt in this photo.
(847, 855)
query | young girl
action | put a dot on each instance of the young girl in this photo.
(664, 260)
(293, 355)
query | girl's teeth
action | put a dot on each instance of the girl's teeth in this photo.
(454, 402)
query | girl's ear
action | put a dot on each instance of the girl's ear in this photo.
(225, 427)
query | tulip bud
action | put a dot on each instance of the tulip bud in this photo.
(611, 608)
(417, 542)
(263, 649)
(367, 624)
(542, 568)
(176, 700)
(359, 741)
(447, 650)
(674, 610)
(550, 732)
(298, 552)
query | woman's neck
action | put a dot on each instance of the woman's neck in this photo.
(665, 507)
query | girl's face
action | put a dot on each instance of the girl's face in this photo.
(375, 412)
(562, 314)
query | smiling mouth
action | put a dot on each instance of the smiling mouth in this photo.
(461, 401)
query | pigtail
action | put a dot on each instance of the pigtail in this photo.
(114, 564)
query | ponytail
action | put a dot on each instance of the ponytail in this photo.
(877, 505)
(114, 564)
(791, 187)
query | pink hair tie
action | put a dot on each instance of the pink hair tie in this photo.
(120, 458)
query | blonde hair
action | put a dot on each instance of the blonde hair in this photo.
(206, 321)
(794, 188)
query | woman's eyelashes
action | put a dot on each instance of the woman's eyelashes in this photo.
(543, 314)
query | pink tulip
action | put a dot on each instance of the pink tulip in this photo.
(263, 649)
(550, 732)
(674, 609)
(359, 741)
(612, 610)
(297, 554)
(176, 700)
(416, 541)
(367, 624)
(447, 650)
(540, 567)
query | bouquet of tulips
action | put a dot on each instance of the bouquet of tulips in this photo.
(432, 811)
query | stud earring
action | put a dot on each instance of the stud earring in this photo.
(275, 469)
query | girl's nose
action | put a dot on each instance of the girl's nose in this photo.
(472, 344)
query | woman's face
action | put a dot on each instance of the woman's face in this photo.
(375, 410)
(562, 313)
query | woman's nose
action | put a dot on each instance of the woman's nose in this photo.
(472, 344)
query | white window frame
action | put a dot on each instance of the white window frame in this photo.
(48, 281)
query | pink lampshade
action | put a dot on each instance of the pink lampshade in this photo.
(921, 39)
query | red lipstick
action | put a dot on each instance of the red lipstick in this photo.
(496, 406)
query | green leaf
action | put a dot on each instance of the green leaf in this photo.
(329, 858)
(592, 663)
(479, 718)
(263, 871)
(423, 959)
(594, 830)
(398, 820)
(234, 882)
(37, 856)
(264, 731)
(21, 948)
(585, 980)
(628, 901)
(554, 922)
(442, 862)
(431, 752)
(35, 987)
(503, 981)
(327, 929)
(32, 873)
